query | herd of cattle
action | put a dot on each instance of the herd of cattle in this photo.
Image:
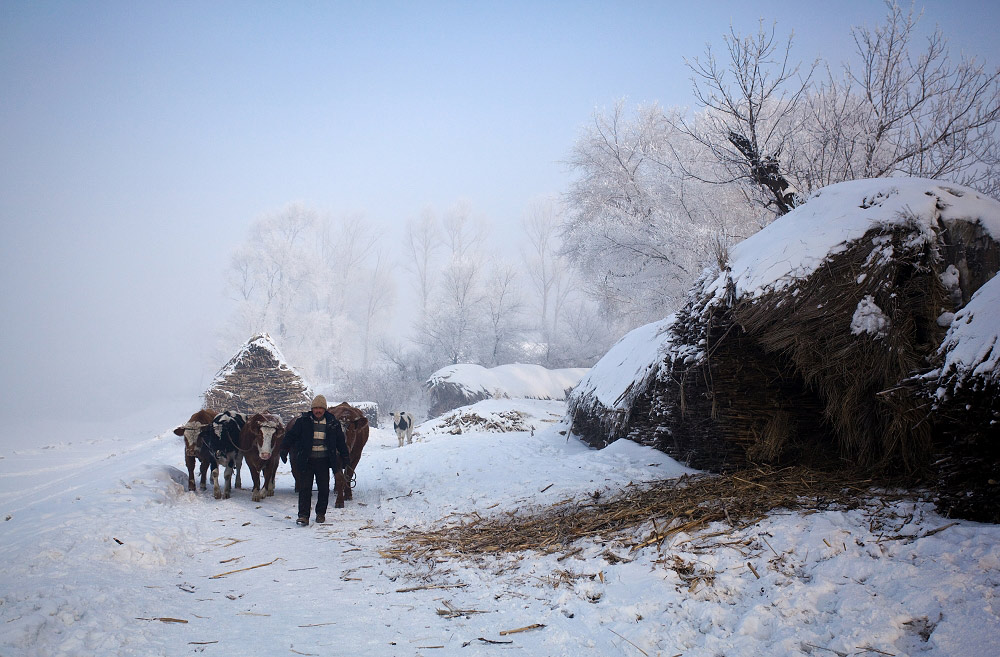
(226, 440)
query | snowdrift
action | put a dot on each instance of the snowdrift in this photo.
(837, 335)
(464, 384)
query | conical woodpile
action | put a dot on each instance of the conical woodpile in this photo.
(258, 379)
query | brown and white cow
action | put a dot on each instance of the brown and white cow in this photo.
(356, 430)
(260, 442)
(195, 432)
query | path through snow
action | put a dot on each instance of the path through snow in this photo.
(102, 540)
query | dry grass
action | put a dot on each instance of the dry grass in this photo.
(686, 504)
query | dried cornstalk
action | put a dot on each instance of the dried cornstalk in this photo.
(240, 570)
(164, 619)
(533, 626)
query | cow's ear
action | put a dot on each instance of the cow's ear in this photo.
(179, 431)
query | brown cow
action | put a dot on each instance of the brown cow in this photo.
(194, 442)
(260, 442)
(356, 429)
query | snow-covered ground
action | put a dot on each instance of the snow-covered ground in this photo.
(104, 552)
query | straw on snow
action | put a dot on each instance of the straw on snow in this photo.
(686, 504)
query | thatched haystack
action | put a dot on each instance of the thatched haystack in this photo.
(465, 384)
(256, 379)
(965, 393)
(603, 403)
(801, 350)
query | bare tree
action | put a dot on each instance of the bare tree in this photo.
(902, 109)
(379, 291)
(454, 315)
(750, 115)
(503, 309)
(274, 255)
(542, 260)
(899, 109)
(422, 242)
(464, 234)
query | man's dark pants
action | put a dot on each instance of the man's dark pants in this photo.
(320, 469)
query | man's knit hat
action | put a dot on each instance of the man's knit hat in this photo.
(319, 402)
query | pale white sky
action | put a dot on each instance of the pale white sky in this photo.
(139, 140)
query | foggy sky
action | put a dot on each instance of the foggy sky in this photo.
(139, 140)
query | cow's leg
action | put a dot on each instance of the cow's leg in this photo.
(409, 435)
(239, 466)
(189, 461)
(348, 493)
(215, 481)
(399, 437)
(269, 474)
(204, 473)
(338, 479)
(256, 495)
(229, 480)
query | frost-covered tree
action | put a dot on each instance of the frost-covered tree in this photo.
(900, 107)
(903, 108)
(421, 244)
(504, 322)
(455, 317)
(656, 194)
(549, 273)
(269, 270)
(632, 230)
(377, 291)
(317, 285)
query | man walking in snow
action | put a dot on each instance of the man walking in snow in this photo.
(313, 443)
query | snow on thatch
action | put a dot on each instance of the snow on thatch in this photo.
(464, 384)
(971, 348)
(966, 392)
(602, 403)
(258, 379)
(800, 349)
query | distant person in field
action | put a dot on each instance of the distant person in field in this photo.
(313, 443)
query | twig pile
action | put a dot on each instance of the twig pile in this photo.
(686, 504)
(460, 422)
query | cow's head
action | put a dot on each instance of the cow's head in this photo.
(190, 431)
(225, 436)
(268, 434)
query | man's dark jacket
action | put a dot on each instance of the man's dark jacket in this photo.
(298, 442)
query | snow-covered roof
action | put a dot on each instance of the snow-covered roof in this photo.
(516, 380)
(628, 363)
(972, 345)
(794, 247)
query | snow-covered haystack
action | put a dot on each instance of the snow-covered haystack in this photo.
(966, 396)
(257, 379)
(464, 384)
(605, 400)
(801, 349)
